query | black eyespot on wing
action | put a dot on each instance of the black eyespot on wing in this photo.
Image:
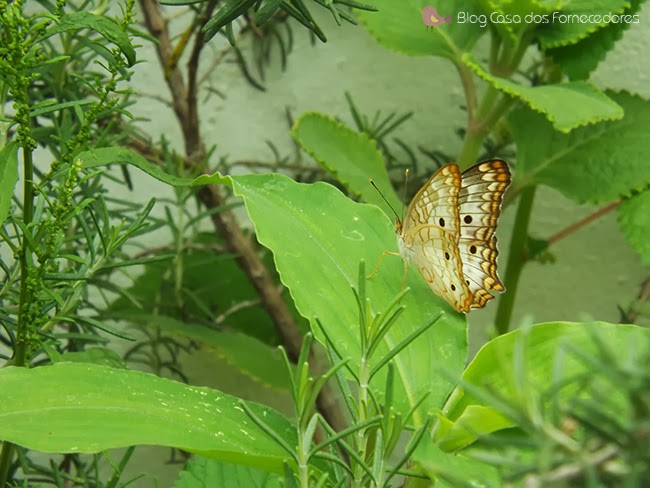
(467, 281)
(468, 219)
(447, 256)
(472, 249)
(453, 287)
(441, 222)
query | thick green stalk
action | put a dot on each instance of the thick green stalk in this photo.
(515, 260)
(479, 125)
(28, 214)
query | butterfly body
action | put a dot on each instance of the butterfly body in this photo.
(448, 232)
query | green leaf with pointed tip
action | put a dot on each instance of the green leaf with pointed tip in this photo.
(318, 237)
(86, 408)
(599, 163)
(105, 26)
(118, 155)
(634, 218)
(516, 368)
(399, 26)
(566, 105)
(350, 156)
(475, 420)
(579, 59)
(8, 177)
(202, 472)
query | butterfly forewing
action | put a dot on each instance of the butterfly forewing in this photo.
(436, 203)
(479, 203)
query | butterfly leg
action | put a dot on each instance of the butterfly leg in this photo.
(381, 258)
(406, 268)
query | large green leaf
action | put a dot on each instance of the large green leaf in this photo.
(72, 407)
(598, 163)
(566, 105)
(512, 19)
(318, 237)
(202, 472)
(398, 26)
(454, 470)
(352, 157)
(579, 59)
(562, 30)
(516, 367)
(634, 217)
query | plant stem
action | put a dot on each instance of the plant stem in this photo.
(515, 260)
(582, 222)
(363, 398)
(5, 462)
(28, 213)
(471, 147)
(479, 125)
(21, 96)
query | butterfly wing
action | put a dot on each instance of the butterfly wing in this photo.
(435, 253)
(430, 233)
(479, 203)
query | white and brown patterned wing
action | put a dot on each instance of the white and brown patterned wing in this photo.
(436, 203)
(479, 202)
(434, 252)
(430, 237)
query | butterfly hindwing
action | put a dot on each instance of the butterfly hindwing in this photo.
(479, 203)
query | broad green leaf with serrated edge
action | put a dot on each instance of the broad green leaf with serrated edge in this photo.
(352, 157)
(86, 408)
(399, 26)
(566, 105)
(516, 367)
(634, 218)
(511, 19)
(318, 237)
(563, 31)
(207, 472)
(105, 26)
(578, 60)
(255, 359)
(454, 470)
(8, 177)
(598, 163)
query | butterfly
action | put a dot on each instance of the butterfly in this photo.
(448, 231)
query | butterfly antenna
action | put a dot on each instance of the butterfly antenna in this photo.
(382, 196)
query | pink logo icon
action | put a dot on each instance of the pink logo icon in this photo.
(431, 17)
